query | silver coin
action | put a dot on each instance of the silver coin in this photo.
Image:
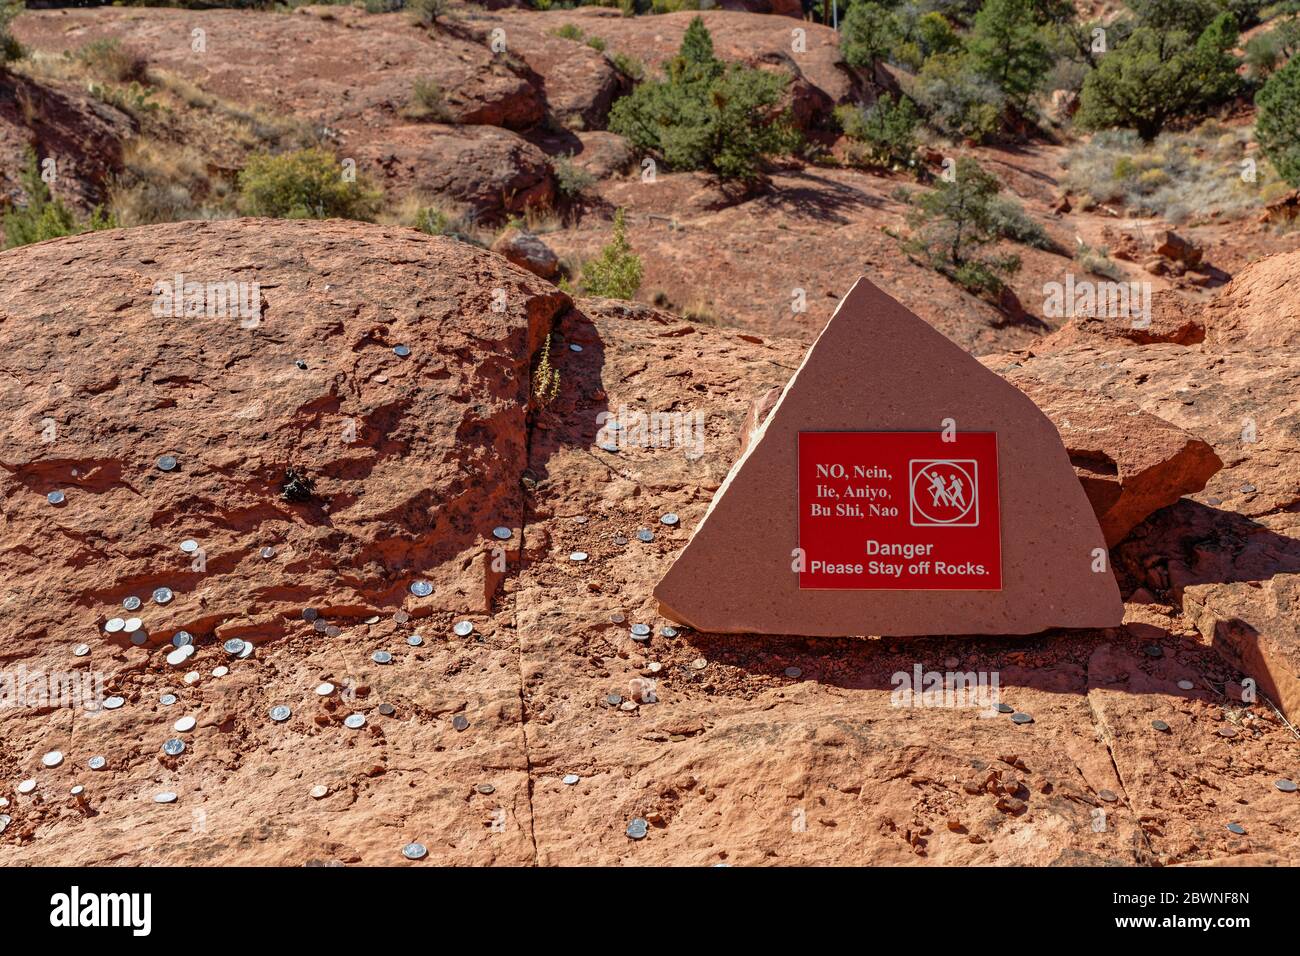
(414, 851)
(96, 763)
(310, 614)
(1248, 489)
(174, 747)
(355, 721)
(645, 534)
(280, 713)
(502, 533)
(464, 628)
(1004, 708)
(638, 829)
(234, 646)
(247, 652)
(166, 796)
(793, 672)
(387, 710)
(325, 689)
(401, 351)
(570, 779)
(620, 540)
(421, 588)
(319, 791)
(139, 638)
(5, 820)
(640, 630)
(1107, 795)
(77, 791)
(460, 722)
(373, 619)
(415, 640)
(613, 699)
(114, 624)
(182, 639)
(113, 703)
(617, 617)
(669, 519)
(167, 700)
(52, 759)
(1236, 828)
(381, 657)
(485, 788)
(163, 596)
(574, 347)
(81, 650)
(184, 725)
(1021, 719)
(628, 705)
(332, 630)
(301, 363)
(132, 624)
(401, 617)
(320, 625)
(189, 546)
(1185, 685)
(167, 463)
(131, 603)
(220, 671)
(667, 631)
(1286, 786)
(1159, 725)
(578, 556)
(177, 657)
(267, 552)
(1154, 650)
(27, 786)
(55, 497)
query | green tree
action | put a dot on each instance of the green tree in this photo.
(1007, 46)
(1155, 76)
(886, 129)
(957, 99)
(306, 184)
(705, 114)
(616, 272)
(869, 33)
(954, 222)
(45, 216)
(1277, 124)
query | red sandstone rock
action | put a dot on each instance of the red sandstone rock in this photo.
(528, 252)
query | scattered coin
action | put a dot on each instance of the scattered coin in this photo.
(192, 677)
(628, 705)
(1286, 786)
(167, 463)
(139, 638)
(1004, 708)
(96, 763)
(570, 779)
(421, 588)
(174, 747)
(1185, 685)
(81, 650)
(1160, 725)
(325, 689)
(502, 533)
(320, 626)
(699, 663)
(1019, 718)
(640, 630)
(113, 703)
(485, 788)
(318, 791)
(645, 534)
(301, 363)
(372, 619)
(1228, 732)
(1248, 489)
(654, 667)
(578, 556)
(381, 657)
(310, 614)
(415, 640)
(178, 657)
(165, 796)
(414, 851)
(667, 631)
(333, 630)
(574, 347)
(182, 639)
(55, 497)
(460, 722)
(1107, 795)
(52, 759)
(189, 546)
(280, 713)
(464, 628)
(267, 552)
(620, 540)
(132, 624)
(1154, 650)
(387, 710)
(1236, 828)
(27, 786)
(613, 699)
(5, 820)
(114, 624)
(669, 519)
(617, 617)
(167, 700)
(131, 603)
(794, 672)
(401, 617)
(162, 596)
(184, 725)
(637, 829)
(355, 721)
(77, 791)
(234, 646)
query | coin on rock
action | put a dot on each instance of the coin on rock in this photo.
(162, 596)
(459, 722)
(1185, 685)
(1021, 719)
(502, 533)
(167, 699)
(570, 779)
(167, 463)
(132, 624)
(27, 786)
(114, 624)
(166, 796)
(81, 650)
(55, 497)
(131, 603)
(355, 721)
(667, 631)
(421, 588)
(401, 351)
(381, 657)
(401, 617)
(174, 747)
(113, 703)
(52, 759)
(189, 546)
(233, 646)
(387, 709)
(318, 791)
(1004, 708)
(415, 640)
(645, 534)
(638, 829)
(414, 851)
(669, 519)
(485, 788)
(184, 725)
(177, 657)
(220, 670)
(793, 672)
(182, 639)
(1236, 828)
(640, 630)
(96, 763)
(578, 556)
(464, 628)
(139, 638)
(310, 614)
(280, 713)
(1286, 786)
(325, 689)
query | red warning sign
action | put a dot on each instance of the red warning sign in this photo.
(899, 511)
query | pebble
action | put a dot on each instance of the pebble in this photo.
(1019, 718)
(669, 519)
(166, 796)
(1228, 732)
(280, 713)
(27, 786)
(638, 829)
(318, 791)
(52, 759)
(174, 747)
(654, 667)
(570, 779)
(414, 851)
(460, 723)
(184, 725)
(1286, 786)
(609, 446)
(463, 628)
(355, 721)
(793, 672)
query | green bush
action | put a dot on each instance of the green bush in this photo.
(10, 49)
(953, 223)
(570, 179)
(616, 272)
(45, 216)
(869, 33)
(1265, 51)
(1007, 47)
(629, 66)
(1277, 123)
(107, 60)
(1008, 219)
(705, 114)
(568, 31)
(1157, 75)
(956, 99)
(427, 104)
(886, 130)
(306, 184)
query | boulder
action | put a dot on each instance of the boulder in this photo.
(1174, 247)
(528, 252)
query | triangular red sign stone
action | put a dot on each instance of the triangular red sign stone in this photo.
(898, 487)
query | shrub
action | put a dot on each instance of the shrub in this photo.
(1265, 51)
(1097, 262)
(1008, 219)
(546, 378)
(568, 31)
(1277, 124)
(705, 114)
(596, 43)
(107, 60)
(629, 66)
(869, 33)
(886, 130)
(616, 272)
(571, 180)
(306, 184)
(952, 224)
(427, 12)
(427, 104)
(10, 49)
(1006, 46)
(1157, 75)
(45, 216)
(956, 99)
